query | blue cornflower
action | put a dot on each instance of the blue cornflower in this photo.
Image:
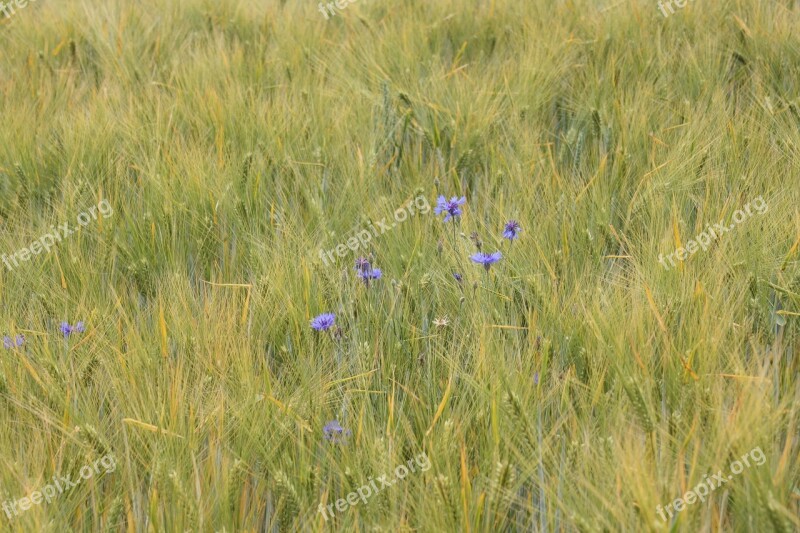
(9, 343)
(449, 207)
(511, 230)
(68, 330)
(458, 277)
(323, 322)
(486, 259)
(333, 432)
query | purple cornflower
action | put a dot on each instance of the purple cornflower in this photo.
(362, 264)
(458, 277)
(68, 330)
(333, 432)
(511, 230)
(323, 322)
(536, 378)
(449, 207)
(486, 259)
(365, 271)
(366, 275)
(9, 343)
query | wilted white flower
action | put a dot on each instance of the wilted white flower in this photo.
(441, 322)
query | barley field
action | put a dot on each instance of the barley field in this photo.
(400, 265)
